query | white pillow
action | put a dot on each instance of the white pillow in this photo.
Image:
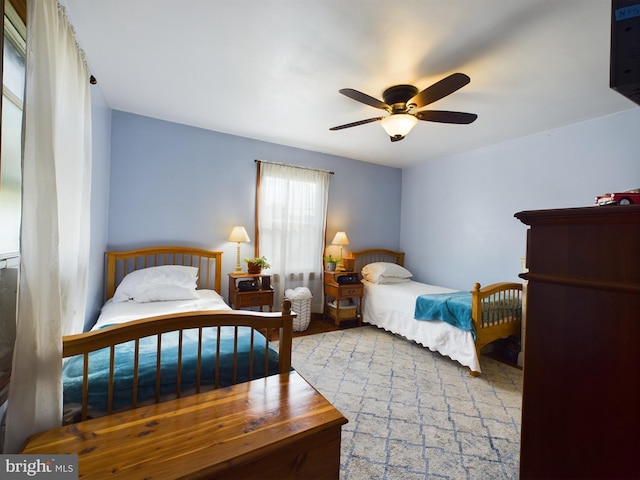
(165, 293)
(385, 272)
(391, 280)
(155, 284)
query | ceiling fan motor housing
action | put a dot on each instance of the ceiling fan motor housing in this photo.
(398, 96)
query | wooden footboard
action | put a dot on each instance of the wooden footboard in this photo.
(278, 324)
(496, 311)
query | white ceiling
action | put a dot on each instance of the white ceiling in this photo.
(271, 69)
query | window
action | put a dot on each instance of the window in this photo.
(292, 210)
(13, 76)
(12, 97)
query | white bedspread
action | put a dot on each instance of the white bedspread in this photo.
(391, 307)
(121, 312)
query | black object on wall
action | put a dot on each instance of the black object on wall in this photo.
(625, 48)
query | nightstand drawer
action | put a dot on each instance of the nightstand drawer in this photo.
(350, 290)
(254, 299)
(344, 291)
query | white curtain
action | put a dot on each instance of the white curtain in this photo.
(292, 211)
(54, 238)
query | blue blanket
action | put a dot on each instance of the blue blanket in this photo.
(453, 308)
(123, 369)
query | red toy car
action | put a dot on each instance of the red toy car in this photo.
(627, 197)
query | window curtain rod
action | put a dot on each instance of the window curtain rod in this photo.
(297, 166)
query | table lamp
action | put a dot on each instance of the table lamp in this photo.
(238, 235)
(340, 239)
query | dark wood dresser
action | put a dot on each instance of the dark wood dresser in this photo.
(581, 401)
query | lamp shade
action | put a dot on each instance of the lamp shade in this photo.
(340, 239)
(238, 234)
(398, 124)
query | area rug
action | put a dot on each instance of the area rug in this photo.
(414, 414)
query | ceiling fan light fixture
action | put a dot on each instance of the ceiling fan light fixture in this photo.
(398, 125)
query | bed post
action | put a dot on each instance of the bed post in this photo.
(475, 316)
(218, 272)
(110, 285)
(286, 338)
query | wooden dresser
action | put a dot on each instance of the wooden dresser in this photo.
(581, 392)
(274, 427)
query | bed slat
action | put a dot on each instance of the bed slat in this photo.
(199, 365)
(136, 366)
(179, 368)
(158, 367)
(112, 360)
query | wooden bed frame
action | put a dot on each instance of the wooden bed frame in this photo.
(490, 318)
(278, 325)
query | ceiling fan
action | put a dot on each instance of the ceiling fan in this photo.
(402, 101)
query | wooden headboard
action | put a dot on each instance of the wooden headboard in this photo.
(121, 263)
(363, 257)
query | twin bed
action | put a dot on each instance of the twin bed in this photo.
(392, 301)
(165, 332)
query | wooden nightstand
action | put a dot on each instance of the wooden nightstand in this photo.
(335, 289)
(263, 296)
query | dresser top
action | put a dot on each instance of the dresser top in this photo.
(582, 215)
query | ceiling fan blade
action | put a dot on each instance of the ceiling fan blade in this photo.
(440, 89)
(364, 98)
(355, 124)
(443, 116)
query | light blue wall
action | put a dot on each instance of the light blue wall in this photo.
(457, 212)
(101, 154)
(175, 184)
(172, 183)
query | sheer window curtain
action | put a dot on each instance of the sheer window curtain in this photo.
(54, 239)
(292, 212)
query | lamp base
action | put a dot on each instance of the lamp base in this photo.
(238, 266)
(340, 266)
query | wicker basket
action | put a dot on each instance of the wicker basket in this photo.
(345, 312)
(303, 310)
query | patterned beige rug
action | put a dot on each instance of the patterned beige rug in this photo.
(414, 414)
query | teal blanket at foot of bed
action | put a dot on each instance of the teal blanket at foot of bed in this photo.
(99, 367)
(453, 308)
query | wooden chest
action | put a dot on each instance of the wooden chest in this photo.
(274, 427)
